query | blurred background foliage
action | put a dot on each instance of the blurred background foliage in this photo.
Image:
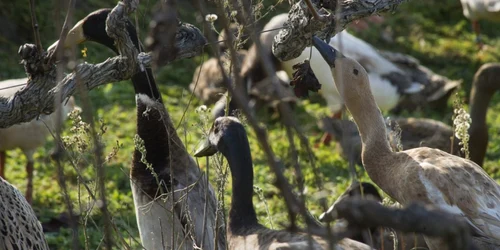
(433, 31)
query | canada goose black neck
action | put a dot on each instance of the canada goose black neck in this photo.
(94, 29)
(236, 149)
(150, 111)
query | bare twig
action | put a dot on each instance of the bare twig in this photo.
(296, 205)
(313, 10)
(57, 53)
(34, 24)
(39, 95)
(162, 33)
(60, 147)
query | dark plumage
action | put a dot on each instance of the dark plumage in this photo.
(229, 137)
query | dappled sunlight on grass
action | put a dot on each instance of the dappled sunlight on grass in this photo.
(434, 32)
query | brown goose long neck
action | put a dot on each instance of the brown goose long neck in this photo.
(371, 126)
(478, 130)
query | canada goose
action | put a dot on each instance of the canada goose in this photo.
(18, 223)
(426, 175)
(381, 238)
(164, 221)
(229, 137)
(417, 132)
(475, 10)
(27, 136)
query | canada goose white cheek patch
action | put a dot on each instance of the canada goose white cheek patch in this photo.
(144, 99)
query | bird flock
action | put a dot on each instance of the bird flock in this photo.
(175, 204)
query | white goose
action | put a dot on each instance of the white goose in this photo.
(423, 174)
(475, 10)
(388, 83)
(28, 136)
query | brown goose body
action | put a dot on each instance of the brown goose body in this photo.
(243, 230)
(208, 84)
(431, 176)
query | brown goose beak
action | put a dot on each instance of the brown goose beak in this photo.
(75, 36)
(205, 149)
(327, 52)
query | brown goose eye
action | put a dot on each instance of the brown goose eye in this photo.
(355, 71)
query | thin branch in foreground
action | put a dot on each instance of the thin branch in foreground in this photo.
(39, 95)
(162, 33)
(363, 213)
(57, 52)
(300, 27)
(34, 24)
(72, 221)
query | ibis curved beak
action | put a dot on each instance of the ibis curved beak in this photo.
(206, 148)
(327, 52)
(75, 36)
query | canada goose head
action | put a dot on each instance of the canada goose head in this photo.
(229, 137)
(351, 79)
(223, 130)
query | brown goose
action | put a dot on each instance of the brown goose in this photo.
(208, 84)
(178, 222)
(426, 175)
(422, 132)
(229, 137)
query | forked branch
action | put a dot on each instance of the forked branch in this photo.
(39, 94)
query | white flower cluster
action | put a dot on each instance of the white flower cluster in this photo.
(211, 18)
(462, 123)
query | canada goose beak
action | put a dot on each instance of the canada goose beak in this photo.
(327, 52)
(75, 36)
(205, 149)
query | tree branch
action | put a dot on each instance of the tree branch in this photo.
(39, 94)
(300, 27)
(362, 213)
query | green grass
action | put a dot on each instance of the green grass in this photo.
(434, 32)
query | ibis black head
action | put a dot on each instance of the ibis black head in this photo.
(93, 28)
